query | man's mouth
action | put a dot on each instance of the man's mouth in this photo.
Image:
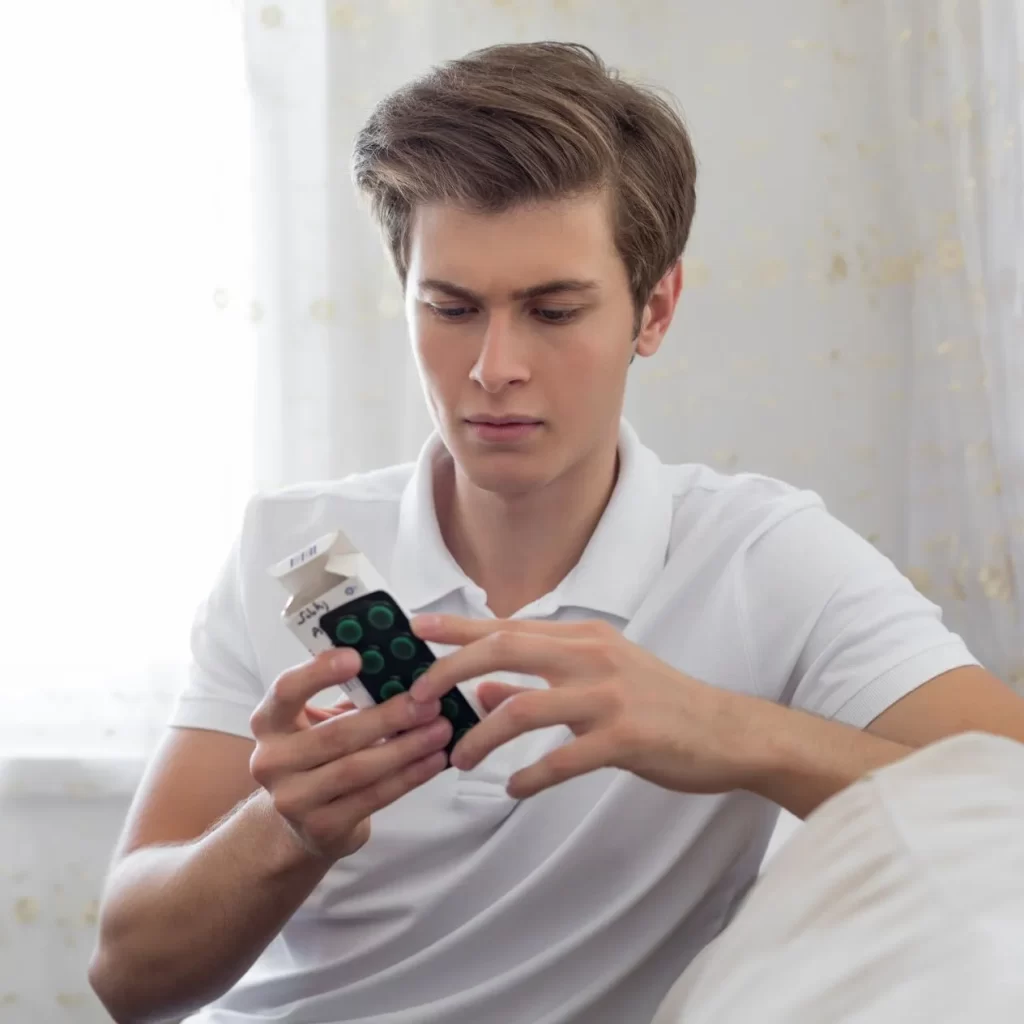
(503, 428)
(503, 421)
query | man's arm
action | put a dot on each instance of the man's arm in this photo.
(968, 699)
(189, 902)
(802, 760)
(182, 918)
(224, 896)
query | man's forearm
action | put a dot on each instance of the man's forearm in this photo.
(798, 760)
(181, 924)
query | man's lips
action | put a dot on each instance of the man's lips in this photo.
(503, 429)
(503, 421)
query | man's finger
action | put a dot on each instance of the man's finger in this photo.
(343, 776)
(490, 694)
(344, 734)
(534, 654)
(459, 630)
(280, 709)
(523, 712)
(315, 715)
(578, 757)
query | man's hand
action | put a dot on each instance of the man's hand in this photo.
(626, 708)
(327, 771)
(630, 710)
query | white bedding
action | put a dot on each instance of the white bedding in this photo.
(901, 900)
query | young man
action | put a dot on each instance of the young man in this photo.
(658, 633)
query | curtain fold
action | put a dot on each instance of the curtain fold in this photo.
(956, 104)
(337, 391)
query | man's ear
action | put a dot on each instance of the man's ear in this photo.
(658, 312)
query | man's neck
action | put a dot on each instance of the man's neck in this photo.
(518, 549)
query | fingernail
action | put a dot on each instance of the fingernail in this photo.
(425, 623)
(421, 687)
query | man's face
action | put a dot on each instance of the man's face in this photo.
(525, 314)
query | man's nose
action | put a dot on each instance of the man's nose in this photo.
(502, 360)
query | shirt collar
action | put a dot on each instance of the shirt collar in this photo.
(624, 556)
(422, 568)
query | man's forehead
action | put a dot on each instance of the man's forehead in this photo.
(511, 251)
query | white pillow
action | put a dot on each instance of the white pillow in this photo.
(900, 900)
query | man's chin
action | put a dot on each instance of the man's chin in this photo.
(511, 474)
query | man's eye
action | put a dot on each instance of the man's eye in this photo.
(557, 316)
(451, 312)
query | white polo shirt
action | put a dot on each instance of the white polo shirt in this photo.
(585, 903)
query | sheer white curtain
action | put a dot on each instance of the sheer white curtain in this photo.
(126, 356)
(337, 389)
(957, 87)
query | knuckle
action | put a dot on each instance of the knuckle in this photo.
(354, 772)
(321, 827)
(268, 763)
(285, 802)
(628, 736)
(503, 642)
(258, 719)
(611, 699)
(261, 765)
(603, 654)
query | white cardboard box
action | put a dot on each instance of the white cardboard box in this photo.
(322, 576)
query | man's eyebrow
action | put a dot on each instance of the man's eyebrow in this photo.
(567, 284)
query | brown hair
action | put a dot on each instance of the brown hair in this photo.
(532, 122)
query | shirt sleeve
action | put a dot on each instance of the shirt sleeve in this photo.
(833, 626)
(223, 686)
